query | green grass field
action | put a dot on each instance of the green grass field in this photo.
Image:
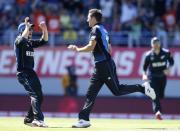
(64, 124)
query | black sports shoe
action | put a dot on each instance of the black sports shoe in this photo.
(28, 121)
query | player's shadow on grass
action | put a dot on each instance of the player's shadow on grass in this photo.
(59, 127)
(62, 127)
(153, 128)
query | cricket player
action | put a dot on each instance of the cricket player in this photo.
(105, 69)
(156, 67)
(24, 51)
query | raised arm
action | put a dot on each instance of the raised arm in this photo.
(43, 27)
(25, 33)
(44, 37)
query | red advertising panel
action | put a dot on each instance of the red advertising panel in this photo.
(52, 62)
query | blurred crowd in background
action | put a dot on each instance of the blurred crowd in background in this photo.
(130, 23)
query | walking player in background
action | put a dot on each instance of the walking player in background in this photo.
(105, 69)
(69, 82)
(155, 69)
(23, 47)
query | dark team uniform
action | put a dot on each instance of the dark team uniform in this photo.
(105, 72)
(155, 65)
(26, 75)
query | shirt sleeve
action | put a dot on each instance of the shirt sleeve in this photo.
(38, 43)
(20, 40)
(146, 63)
(93, 34)
(170, 59)
(109, 41)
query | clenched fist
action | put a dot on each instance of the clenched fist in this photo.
(42, 25)
(72, 47)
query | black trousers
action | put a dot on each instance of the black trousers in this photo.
(32, 85)
(105, 72)
(158, 84)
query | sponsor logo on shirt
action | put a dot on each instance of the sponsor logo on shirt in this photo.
(29, 53)
(158, 64)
